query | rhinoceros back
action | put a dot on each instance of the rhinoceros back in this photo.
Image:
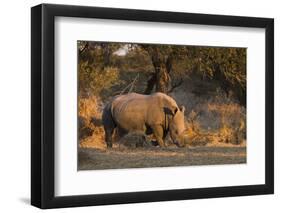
(130, 111)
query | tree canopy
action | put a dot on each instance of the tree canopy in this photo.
(166, 66)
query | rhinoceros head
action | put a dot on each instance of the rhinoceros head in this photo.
(177, 127)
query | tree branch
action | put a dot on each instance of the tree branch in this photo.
(175, 85)
(85, 47)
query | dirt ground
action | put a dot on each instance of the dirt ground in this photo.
(117, 157)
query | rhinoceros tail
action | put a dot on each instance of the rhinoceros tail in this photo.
(107, 118)
(108, 124)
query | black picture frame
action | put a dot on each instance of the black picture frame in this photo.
(43, 105)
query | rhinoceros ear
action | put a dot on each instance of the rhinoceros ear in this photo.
(182, 108)
(170, 111)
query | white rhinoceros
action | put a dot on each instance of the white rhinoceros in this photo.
(155, 114)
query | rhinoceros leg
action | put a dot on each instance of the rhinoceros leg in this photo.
(108, 137)
(159, 133)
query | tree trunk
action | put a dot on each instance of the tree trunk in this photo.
(150, 84)
(162, 79)
(162, 64)
(106, 55)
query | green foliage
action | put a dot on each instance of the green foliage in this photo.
(96, 71)
(231, 62)
(93, 80)
(226, 65)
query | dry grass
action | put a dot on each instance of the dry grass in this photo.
(89, 107)
(212, 116)
(90, 112)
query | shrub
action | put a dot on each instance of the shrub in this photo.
(91, 133)
(212, 116)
